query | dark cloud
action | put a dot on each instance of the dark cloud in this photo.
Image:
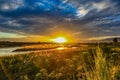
(80, 16)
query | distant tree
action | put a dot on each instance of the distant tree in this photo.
(115, 40)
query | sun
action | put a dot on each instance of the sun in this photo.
(60, 40)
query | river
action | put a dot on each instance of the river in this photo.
(9, 51)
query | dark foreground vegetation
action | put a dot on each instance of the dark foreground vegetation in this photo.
(98, 62)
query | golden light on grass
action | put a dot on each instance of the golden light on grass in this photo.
(60, 40)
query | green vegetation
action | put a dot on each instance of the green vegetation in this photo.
(98, 62)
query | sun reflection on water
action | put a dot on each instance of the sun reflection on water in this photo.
(60, 48)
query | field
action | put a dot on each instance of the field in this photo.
(89, 62)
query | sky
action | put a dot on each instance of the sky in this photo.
(40, 20)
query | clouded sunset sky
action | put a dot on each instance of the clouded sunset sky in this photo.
(40, 20)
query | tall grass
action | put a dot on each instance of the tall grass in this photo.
(101, 69)
(90, 64)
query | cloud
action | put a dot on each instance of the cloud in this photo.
(8, 5)
(81, 12)
(84, 18)
(102, 38)
(102, 5)
(111, 21)
(10, 35)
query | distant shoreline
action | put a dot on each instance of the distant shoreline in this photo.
(5, 44)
